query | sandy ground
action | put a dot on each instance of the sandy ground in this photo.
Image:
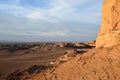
(15, 57)
(11, 60)
(95, 64)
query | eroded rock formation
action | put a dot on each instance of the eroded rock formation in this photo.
(109, 33)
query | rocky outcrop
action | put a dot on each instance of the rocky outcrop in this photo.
(109, 33)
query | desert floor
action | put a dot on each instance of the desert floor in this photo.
(22, 56)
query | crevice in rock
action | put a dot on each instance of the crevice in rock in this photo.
(116, 24)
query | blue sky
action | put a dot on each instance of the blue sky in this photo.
(50, 20)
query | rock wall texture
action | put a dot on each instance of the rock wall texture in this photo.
(109, 33)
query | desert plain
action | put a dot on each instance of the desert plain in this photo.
(20, 56)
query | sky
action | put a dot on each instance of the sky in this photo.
(49, 20)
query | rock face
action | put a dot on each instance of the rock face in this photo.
(109, 33)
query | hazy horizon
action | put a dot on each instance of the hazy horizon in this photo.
(49, 20)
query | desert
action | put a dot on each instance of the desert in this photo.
(20, 56)
(97, 59)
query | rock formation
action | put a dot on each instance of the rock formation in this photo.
(109, 33)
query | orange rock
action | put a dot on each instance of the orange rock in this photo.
(109, 33)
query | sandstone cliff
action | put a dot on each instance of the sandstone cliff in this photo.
(109, 33)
